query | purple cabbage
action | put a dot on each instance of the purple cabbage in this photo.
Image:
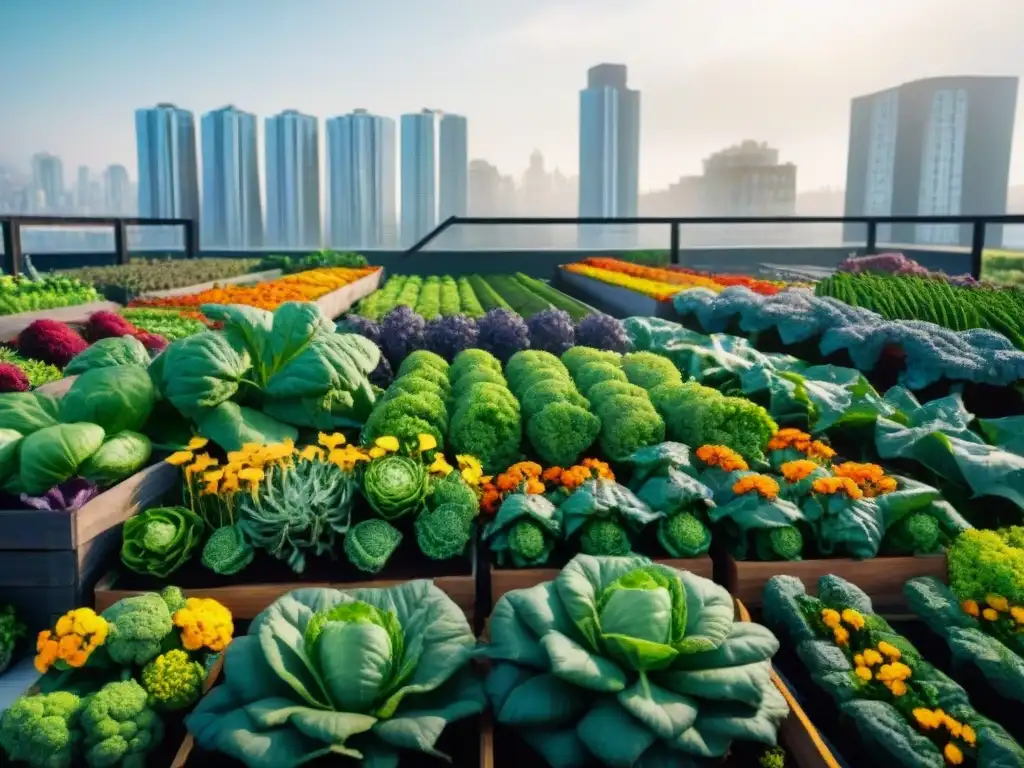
(401, 332)
(364, 326)
(503, 333)
(66, 497)
(382, 375)
(551, 331)
(450, 334)
(602, 331)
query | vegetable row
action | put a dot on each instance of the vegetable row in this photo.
(144, 275)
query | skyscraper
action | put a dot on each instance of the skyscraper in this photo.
(939, 146)
(168, 179)
(293, 180)
(609, 144)
(419, 175)
(48, 181)
(361, 181)
(453, 167)
(117, 188)
(82, 189)
(232, 210)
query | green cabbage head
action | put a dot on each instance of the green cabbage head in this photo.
(395, 485)
(359, 673)
(623, 661)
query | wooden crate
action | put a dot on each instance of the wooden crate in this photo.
(882, 578)
(336, 303)
(621, 302)
(50, 561)
(507, 579)
(12, 325)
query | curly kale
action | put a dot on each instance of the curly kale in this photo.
(648, 370)
(604, 538)
(561, 433)
(443, 533)
(227, 551)
(471, 360)
(627, 425)
(785, 543)
(370, 544)
(452, 489)
(684, 535)
(916, 534)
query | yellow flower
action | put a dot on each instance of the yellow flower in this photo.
(440, 466)
(894, 671)
(388, 443)
(311, 453)
(842, 635)
(196, 444)
(990, 614)
(926, 719)
(229, 484)
(204, 623)
(1017, 612)
(889, 650)
(723, 457)
(970, 607)
(1000, 604)
(251, 475)
(331, 441)
(377, 452)
(953, 754)
(859, 660)
(898, 688)
(830, 618)
(179, 458)
(968, 735)
(65, 625)
(465, 461)
(426, 442)
(863, 673)
(211, 488)
(854, 619)
(872, 657)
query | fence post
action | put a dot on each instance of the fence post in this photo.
(5, 238)
(120, 242)
(12, 246)
(977, 248)
(673, 256)
(190, 239)
(872, 244)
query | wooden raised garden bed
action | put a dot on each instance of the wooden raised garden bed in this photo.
(336, 303)
(12, 325)
(49, 561)
(882, 578)
(618, 301)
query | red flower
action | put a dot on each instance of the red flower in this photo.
(105, 325)
(50, 341)
(12, 378)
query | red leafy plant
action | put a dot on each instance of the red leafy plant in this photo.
(50, 341)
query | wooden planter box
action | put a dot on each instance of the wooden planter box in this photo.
(50, 561)
(882, 578)
(336, 303)
(507, 579)
(614, 299)
(12, 325)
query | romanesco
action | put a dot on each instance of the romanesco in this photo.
(527, 543)
(227, 551)
(916, 534)
(444, 532)
(370, 544)
(42, 730)
(683, 535)
(120, 727)
(604, 537)
(138, 626)
(173, 680)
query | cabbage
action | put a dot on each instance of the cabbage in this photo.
(395, 485)
(119, 457)
(54, 454)
(116, 398)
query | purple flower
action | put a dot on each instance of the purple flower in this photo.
(551, 331)
(503, 333)
(450, 334)
(602, 331)
(401, 332)
(66, 497)
(364, 326)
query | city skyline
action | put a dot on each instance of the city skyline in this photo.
(707, 82)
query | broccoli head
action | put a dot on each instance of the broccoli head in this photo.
(775, 757)
(138, 626)
(227, 551)
(561, 432)
(916, 534)
(173, 680)
(527, 544)
(120, 727)
(648, 370)
(370, 544)
(981, 563)
(42, 730)
(604, 537)
(444, 532)
(683, 535)
(785, 543)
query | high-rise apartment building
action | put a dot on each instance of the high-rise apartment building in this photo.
(419, 175)
(118, 190)
(453, 167)
(165, 138)
(293, 181)
(747, 179)
(939, 146)
(361, 181)
(82, 194)
(232, 209)
(609, 144)
(47, 182)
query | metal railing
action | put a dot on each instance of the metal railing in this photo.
(10, 228)
(978, 226)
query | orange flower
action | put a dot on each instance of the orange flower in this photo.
(819, 450)
(830, 486)
(527, 468)
(655, 289)
(574, 477)
(534, 485)
(723, 457)
(766, 487)
(510, 480)
(552, 475)
(870, 478)
(599, 468)
(491, 500)
(795, 471)
(789, 438)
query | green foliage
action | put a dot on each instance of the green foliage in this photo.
(444, 531)
(11, 631)
(370, 544)
(173, 680)
(469, 360)
(51, 455)
(315, 260)
(105, 353)
(25, 412)
(42, 730)
(594, 373)
(119, 456)
(649, 370)
(774, 757)
(916, 534)
(983, 563)
(452, 489)
(37, 373)
(116, 398)
(138, 626)
(486, 420)
(601, 499)
(576, 309)
(142, 275)
(575, 358)
(169, 323)
(783, 543)
(22, 294)
(684, 535)
(422, 358)
(227, 551)
(159, 540)
(120, 727)
(524, 531)
(395, 486)
(604, 537)
(359, 673)
(486, 294)
(561, 433)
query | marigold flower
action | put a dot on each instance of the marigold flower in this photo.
(1017, 612)
(377, 452)
(990, 614)
(795, 471)
(841, 635)
(426, 442)
(898, 688)
(509, 481)
(1001, 604)
(872, 657)
(891, 651)
(440, 466)
(858, 659)
(534, 486)
(830, 618)
(76, 635)
(968, 735)
(179, 458)
(764, 486)
(970, 607)
(251, 474)
(819, 450)
(830, 486)
(863, 673)
(330, 441)
(953, 754)
(723, 457)
(490, 501)
(786, 438)
(552, 475)
(855, 620)
(574, 477)
(204, 623)
(926, 719)
(311, 453)
(528, 468)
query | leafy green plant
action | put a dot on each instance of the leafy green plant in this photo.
(524, 531)
(159, 540)
(118, 350)
(22, 294)
(169, 323)
(11, 631)
(42, 730)
(119, 456)
(227, 551)
(37, 373)
(621, 661)
(395, 485)
(49, 456)
(362, 674)
(143, 275)
(606, 515)
(369, 544)
(116, 398)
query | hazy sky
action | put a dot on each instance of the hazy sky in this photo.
(710, 73)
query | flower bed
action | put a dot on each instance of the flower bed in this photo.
(687, 278)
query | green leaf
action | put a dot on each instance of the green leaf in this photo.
(116, 399)
(574, 664)
(666, 713)
(231, 426)
(120, 456)
(745, 684)
(544, 700)
(25, 412)
(759, 724)
(106, 353)
(200, 372)
(656, 460)
(747, 643)
(579, 583)
(605, 499)
(709, 614)
(559, 747)
(354, 658)
(54, 454)
(610, 731)
(853, 526)
(1001, 667)
(888, 732)
(674, 492)
(1006, 433)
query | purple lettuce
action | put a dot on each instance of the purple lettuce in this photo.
(450, 334)
(503, 333)
(401, 332)
(364, 326)
(602, 331)
(551, 331)
(69, 496)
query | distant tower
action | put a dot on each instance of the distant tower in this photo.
(117, 190)
(293, 181)
(168, 180)
(47, 182)
(419, 175)
(232, 209)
